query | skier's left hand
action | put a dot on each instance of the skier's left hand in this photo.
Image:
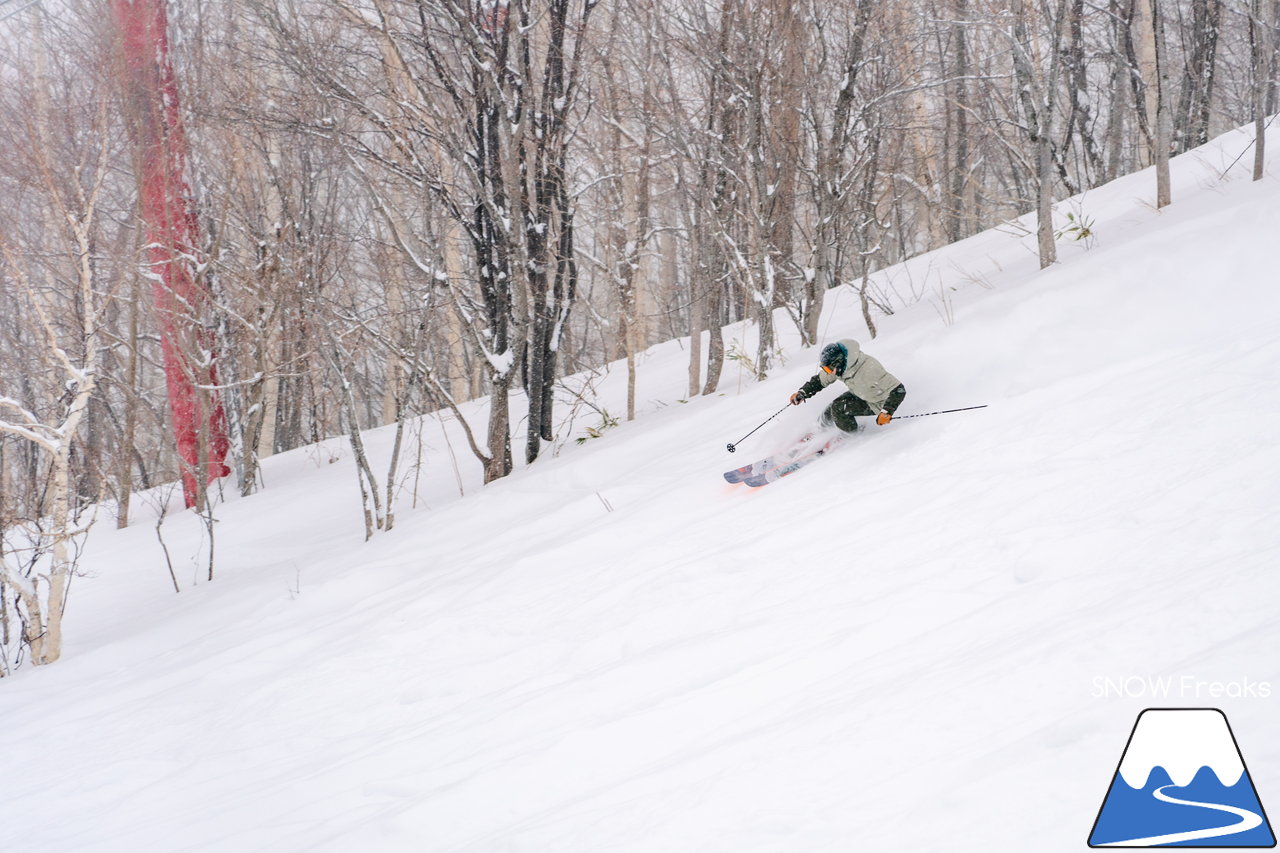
(883, 418)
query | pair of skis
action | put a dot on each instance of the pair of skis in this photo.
(808, 449)
(773, 468)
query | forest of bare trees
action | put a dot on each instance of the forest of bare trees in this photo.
(304, 219)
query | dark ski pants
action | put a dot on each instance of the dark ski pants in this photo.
(842, 410)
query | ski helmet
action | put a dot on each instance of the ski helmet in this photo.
(834, 359)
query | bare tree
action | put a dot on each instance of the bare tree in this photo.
(1196, 96)
(1037, 91)
(1262, 56)
(835, 128)
(1154, 69)
(486, 130)
(174, 264)
(55, 276)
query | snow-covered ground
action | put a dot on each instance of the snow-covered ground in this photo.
(903, 647)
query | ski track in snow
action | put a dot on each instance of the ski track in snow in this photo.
(891, 649)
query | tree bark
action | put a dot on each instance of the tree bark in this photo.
(125, 474)
(1036, 94)
(1260, 60)
(1155, 72)
(152, 103)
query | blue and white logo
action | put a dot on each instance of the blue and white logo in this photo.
(1181, 783)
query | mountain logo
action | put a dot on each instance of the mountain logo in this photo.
(1181, 782)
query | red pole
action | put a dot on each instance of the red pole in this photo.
(172, 235)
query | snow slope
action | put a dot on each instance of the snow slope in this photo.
(897, 649)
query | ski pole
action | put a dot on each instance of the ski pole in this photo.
(943, 412)
(733, 445)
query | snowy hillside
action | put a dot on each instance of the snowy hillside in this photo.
(896, 649)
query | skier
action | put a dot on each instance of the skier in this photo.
(872, 389)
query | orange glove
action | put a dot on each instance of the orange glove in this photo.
(796, 399)
(883, 418)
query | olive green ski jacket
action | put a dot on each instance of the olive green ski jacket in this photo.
(863, 376)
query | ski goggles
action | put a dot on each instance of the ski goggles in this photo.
(828, 368)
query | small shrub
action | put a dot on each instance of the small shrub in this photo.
(607, 421)
(1077, 228)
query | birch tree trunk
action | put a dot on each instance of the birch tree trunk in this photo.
(151, 95)
(830, 178)
(1261, 56)
(1155, 72)
(697, 305)
(66, 179)
(125, 475)
(43, 619)
(960, 193)
(1036, 93)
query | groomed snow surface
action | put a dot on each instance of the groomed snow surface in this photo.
(898, 648)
